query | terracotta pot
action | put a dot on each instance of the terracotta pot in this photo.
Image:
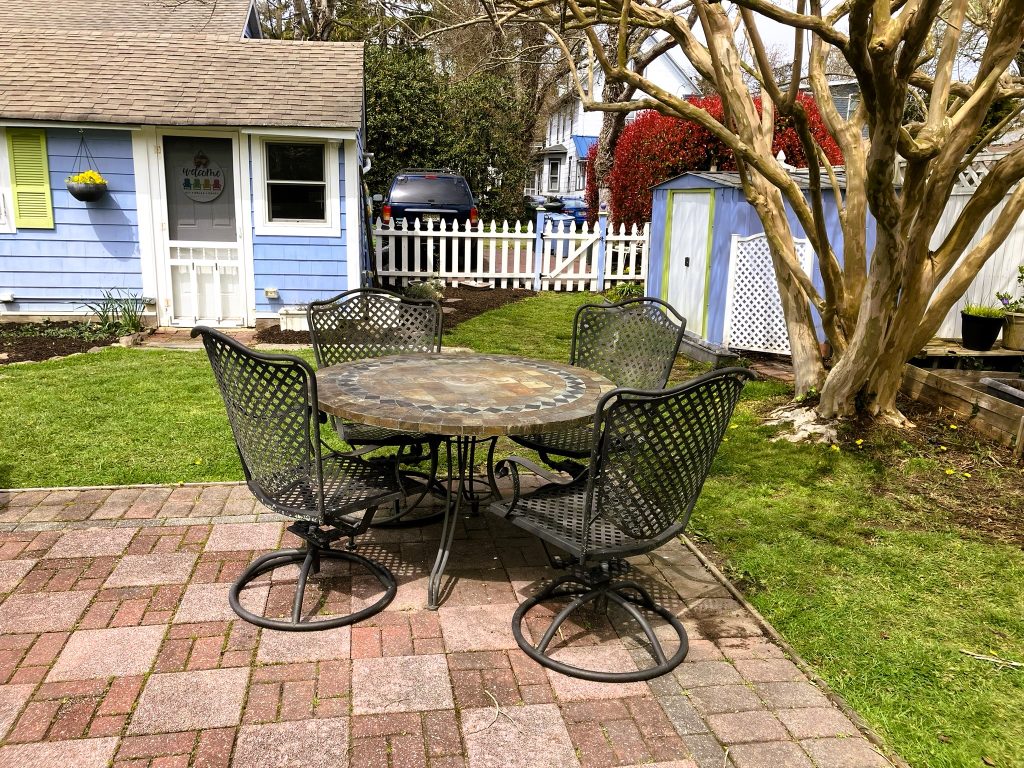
(87, 193)
(1013, 330)
(980, 333)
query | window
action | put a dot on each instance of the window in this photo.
(554, 171)
(581, 174)
(296, 186)
(296, 182)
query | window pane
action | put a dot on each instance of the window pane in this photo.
(295, 162)
(444, 190)
(303, 202)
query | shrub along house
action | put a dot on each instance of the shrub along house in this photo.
(232, 162)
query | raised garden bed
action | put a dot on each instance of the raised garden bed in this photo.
(22, 342)
(964, 393)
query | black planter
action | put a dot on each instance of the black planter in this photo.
(87, 193)
(980, 332)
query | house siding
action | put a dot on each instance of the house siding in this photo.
(92, 247)
(302, 269)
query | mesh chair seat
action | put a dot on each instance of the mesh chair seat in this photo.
(349, 485)
(557, 515)
(354, 433)
(575, 442)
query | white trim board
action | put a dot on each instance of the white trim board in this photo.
(353, 217)
(261, 219)
(6, 193)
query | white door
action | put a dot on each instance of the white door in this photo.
(687, 245)
(204, 249)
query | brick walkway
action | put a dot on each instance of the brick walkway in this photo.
(117, 645)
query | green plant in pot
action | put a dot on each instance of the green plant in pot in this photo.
(980, 324)
(1013, 323)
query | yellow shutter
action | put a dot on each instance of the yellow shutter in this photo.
(30, 179)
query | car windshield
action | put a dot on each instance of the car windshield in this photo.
(445, 190)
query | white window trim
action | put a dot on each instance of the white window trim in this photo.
(262, 225)
(6, 194)
(557, 175)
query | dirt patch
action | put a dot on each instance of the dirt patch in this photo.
(475, 301)
(22, 342)
(460, 305)
(944, 469)
(273, 334)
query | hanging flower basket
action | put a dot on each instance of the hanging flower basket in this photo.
(87, 186)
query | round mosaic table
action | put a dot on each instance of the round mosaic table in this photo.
(461, 396)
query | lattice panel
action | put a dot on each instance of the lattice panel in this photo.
(753, 313)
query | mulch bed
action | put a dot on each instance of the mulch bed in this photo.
(469, 302)
(17, 347)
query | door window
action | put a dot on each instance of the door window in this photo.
(200, 189)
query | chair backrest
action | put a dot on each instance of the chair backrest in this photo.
(270, 401)
(370, 322)
(633, 343)
(653, 451)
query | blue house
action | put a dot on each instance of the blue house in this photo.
(233, 162)
(709, 258)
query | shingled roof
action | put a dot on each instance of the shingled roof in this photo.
(143, 62)
(211, 17)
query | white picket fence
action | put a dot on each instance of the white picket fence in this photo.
(561, 257)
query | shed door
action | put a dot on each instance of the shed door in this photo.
(688, 242)
(204, 245)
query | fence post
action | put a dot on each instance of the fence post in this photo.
(602, 225)
(538, 248)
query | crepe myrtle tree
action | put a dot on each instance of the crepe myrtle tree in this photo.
(879, 308)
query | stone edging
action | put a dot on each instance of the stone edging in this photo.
(201, 484)
(778, 639)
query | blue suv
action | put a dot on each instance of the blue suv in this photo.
(429, 196)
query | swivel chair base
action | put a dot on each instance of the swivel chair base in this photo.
(625, 593)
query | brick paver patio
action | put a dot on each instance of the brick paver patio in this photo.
(117, 646)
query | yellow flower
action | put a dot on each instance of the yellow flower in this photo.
(734, 426)
(943, 448)
(835, 447)
(858, 441)
(952, 426)
(87, 177)
(967, 474)
(949, 471)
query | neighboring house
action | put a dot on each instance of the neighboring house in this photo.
(160, 95)
(561, 164)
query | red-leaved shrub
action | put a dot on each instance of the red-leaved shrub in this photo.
(654, 148)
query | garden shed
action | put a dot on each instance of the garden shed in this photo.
(709, 258)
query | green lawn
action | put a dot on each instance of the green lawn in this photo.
(878, 588)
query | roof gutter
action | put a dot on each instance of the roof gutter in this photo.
(62, 124)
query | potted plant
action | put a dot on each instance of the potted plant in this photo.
(981, 324)
(87, 186)
(1013, 323)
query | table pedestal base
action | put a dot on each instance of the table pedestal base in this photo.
(462, 482)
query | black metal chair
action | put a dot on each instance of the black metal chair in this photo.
(372, 322)
(271, 402)
(634, 343)
(650, 454)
